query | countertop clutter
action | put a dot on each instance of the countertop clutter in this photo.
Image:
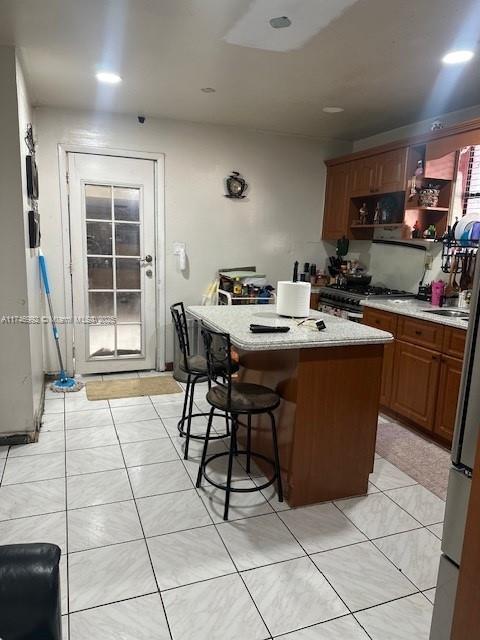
(422, 311)
(236, 321)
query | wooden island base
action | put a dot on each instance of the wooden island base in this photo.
(327, 421)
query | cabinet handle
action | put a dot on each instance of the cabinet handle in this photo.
(418, 332)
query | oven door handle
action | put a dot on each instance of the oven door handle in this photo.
(354, 316)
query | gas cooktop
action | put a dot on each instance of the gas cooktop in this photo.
(368, 290)
(350, 297)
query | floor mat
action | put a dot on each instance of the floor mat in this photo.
(423, 460)
(130, 387)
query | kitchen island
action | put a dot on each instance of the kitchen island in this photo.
(329, 382)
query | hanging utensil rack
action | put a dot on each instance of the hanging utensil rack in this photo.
(457, 248)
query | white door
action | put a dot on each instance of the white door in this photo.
(112, 236)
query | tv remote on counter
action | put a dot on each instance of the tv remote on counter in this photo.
(265, 328)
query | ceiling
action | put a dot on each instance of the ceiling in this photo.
(378, 59)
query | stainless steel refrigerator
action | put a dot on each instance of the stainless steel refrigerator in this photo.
(460, 478)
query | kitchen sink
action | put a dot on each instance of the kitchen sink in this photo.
(450, 313)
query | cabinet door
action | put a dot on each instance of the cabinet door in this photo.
(385, 322)
(390, 171)
(454, 342)
(363, 177)
(415, 383)
(337, 201)
(448, 390)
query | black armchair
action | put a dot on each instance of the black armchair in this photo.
(30, 607)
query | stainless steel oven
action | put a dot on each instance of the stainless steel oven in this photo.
(346, 301)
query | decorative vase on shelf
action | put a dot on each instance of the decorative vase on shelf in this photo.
(428, 197)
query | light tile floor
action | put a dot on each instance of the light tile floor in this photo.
(147, 555)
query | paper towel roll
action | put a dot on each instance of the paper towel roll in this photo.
(293, 299)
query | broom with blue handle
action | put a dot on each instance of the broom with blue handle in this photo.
(63, 382)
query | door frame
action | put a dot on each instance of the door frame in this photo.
(159, 221)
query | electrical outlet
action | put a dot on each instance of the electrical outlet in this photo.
(428, 261)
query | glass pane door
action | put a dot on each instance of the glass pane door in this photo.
(114, 245)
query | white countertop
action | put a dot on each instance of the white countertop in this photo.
(236, 320)
(416, 309)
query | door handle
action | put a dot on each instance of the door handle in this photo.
(147, 260)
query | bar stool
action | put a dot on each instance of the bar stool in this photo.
(195, 366)
(236, 399)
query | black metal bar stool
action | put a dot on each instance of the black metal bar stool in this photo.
(237, 399)
(195, 366)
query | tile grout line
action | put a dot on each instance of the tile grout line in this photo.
(317, 624)
(306, 555)
(320, 572)
(99, 606)
(422, 526)
(270, 636)
(399, 505)
(417, 590)
(383, 554)
(143, 532)
(66, 518)
(243, 517)
(2, 475)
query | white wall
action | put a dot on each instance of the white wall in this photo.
(20, 344)
(34, 291)
(279, 223)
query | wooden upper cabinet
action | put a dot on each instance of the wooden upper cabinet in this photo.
(363, 176)
(381, 173)
(448, 390)
(415, 383)
(337, 201)
(390, 173)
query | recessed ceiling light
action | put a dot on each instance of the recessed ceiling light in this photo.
(281, 22)
(108, 78)
(208, 90)
(457, 57)
(333, 109)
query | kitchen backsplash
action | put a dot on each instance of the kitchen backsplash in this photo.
(398, 267)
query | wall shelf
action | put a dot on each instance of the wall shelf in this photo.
(438, 209)
(385, 225)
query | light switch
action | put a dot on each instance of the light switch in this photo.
(180, 252)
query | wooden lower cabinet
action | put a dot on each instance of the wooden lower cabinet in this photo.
(387, 374)
(448, 390)
(385, 322)
(421, 371)
(415, 383)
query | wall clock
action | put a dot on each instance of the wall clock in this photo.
(236, 186)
